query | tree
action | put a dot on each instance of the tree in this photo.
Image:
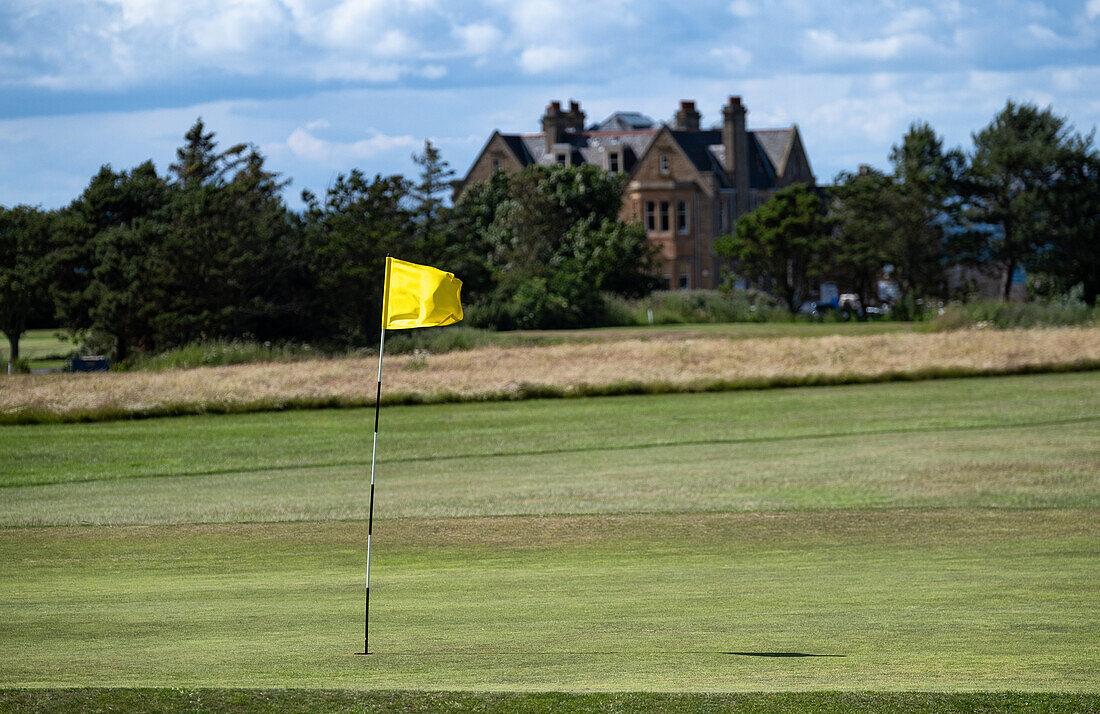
(106, 243)
(1073, 256)
(347, 239)
(233, 264)
(863, 209)
(25, 270)
(428, 197)
(1018, 160)
(554, 243)
(926, 178)
(787, 242)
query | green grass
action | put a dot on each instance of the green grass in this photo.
(409, 702)
(930, 537)
(899, 600)
(41, 348)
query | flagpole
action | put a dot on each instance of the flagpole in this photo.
(374, 456)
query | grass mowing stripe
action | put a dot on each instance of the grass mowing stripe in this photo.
(414, 702)
(940, 600)
(1038, 467)
(43, 454)
(929, 430)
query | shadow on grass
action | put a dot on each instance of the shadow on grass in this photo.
(782, 654)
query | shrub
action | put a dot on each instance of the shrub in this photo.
(1066, 310)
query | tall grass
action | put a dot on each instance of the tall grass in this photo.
(1007, 315)
(212, 353)
(673, 307)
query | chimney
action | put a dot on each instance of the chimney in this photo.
(687, 118)
(553, 125)
(735, 140)
(574, 120)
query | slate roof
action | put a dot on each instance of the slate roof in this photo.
(703, 148)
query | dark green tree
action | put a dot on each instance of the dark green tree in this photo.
(1072, 257)
(555, 243)
(347, 239)
(786, 243)
(105, 248)
(428, 200)
(863, 208)
(926, 181)
(1018, 160)
(25, 270)
(234, 264)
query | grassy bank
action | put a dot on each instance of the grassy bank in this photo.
(623, 366)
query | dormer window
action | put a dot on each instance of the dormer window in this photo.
(663, 163)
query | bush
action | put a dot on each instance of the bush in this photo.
(671, 307)
(210, 353)
(1066, 310)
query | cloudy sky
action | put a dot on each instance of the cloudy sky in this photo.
(329, 85)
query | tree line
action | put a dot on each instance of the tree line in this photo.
(1026, 196)
(142, 261)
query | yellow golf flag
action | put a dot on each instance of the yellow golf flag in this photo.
(419, 296)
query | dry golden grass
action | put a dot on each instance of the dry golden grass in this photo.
(511, 372)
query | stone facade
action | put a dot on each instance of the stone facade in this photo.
(685, 184)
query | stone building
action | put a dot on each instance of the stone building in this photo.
(686, 185)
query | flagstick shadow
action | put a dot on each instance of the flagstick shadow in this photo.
(583, 653)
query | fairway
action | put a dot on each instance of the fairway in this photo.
(936, 536)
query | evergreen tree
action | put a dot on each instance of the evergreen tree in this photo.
(429, 196)
(1018, 160)
(25, 270)
(863, 209)
(926, 180)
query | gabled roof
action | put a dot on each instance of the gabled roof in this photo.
(776, 145)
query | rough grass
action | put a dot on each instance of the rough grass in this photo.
(629, 366)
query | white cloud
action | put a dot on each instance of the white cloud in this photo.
(743, 9)
(1092, 9)
(304, 144)
(479, 38)
(547, 58)
(826, 44)
(731, 57)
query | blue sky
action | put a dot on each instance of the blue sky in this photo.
(324, 87)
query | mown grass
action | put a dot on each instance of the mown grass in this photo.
(887, 600)
(1018, 441)
(415, 702)
(939, 540)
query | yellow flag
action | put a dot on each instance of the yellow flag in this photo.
(419, 296)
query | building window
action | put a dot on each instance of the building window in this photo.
(496, 164)
(561, 159)
(664, 164)
(682, 217)
(650, 217)
(666, 282)
(664, 216)
(613, 163)
(723, 215)
(683, 281)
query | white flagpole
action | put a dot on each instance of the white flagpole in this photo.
(374, 455)
(370, 518)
